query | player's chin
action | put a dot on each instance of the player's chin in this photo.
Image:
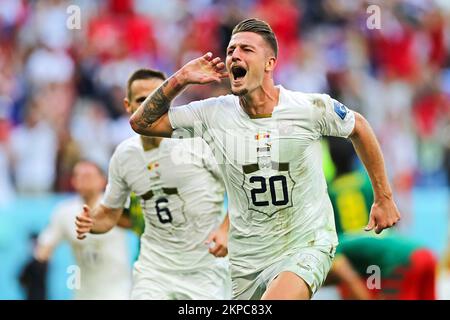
(239, 91)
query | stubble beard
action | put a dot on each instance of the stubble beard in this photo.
(239, 93)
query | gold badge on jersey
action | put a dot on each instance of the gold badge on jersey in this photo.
(152, 165)
(263, 150)
(260, 136)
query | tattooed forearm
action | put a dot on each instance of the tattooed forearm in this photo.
(153, 107)
(156, 104)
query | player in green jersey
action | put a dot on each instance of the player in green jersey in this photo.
(368, 267)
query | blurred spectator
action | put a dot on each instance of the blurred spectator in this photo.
(49, 23)
(305, 72)
(90, 117)
(46, 66)
(285, 23)
(102, 259)
(5, 178)
(12, 13)
(34, 145)
(68, 155)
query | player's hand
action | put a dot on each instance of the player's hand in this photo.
(218, 242)
(203, 70)
(384, 214)
(84, 223)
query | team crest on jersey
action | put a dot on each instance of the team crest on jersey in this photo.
(340, 109)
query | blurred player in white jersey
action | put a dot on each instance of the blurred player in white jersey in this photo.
(185, 237)
(103, 260)
(266, 140)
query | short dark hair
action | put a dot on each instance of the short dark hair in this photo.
(259, 27)
(142, 74)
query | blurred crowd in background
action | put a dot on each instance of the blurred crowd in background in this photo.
(61, 89)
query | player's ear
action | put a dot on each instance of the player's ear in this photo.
(127, 105)
(270, 64)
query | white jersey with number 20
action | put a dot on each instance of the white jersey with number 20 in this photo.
(272, 167)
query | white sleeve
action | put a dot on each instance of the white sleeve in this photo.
(53, 234)
(117, 190)
(189, 117)
(334, 119)
(210, 163)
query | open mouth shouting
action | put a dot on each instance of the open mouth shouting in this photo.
(238, 74)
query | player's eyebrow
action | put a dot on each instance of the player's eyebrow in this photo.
(247, 46)
(242, 45)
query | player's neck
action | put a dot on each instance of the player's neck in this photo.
(149, 143)
(260, 101)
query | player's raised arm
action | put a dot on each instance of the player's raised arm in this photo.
(151, 117)
(384, 213)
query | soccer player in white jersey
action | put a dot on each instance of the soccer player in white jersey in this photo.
(182, 198)
(266, 140)
(103, 260)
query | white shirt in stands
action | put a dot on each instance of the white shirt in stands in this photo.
(272, 168)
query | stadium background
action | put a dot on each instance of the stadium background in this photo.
(61, 94)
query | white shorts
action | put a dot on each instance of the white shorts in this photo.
(103, 290)
(312, 264)
(212, 283)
